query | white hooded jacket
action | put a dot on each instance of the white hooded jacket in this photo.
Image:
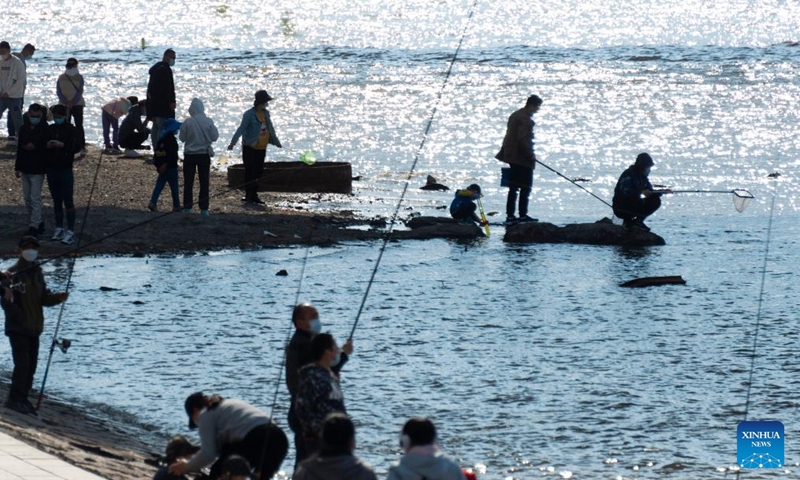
(198, 132)
(425, 462)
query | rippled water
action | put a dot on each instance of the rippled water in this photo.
(531, 359)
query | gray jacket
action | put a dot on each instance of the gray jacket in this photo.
(338, 467)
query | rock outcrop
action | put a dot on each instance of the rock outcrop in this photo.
(603, 232)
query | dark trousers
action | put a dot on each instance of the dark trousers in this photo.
(520, 180)
(201, 164)
(25, 353)
(61, 183)
(300, 452)
(466, 211)
(76, 114)
(253, 169)
(263, 447)
(110, 122)
(134, 140)
(639, 208)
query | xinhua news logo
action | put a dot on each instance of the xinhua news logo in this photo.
(760, 444)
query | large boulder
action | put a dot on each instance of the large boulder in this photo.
(423, 228)
(603, 232)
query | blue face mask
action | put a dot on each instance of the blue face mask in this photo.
(315, 326)
(647, 172)
(35, 120)
(171, 62)
(59, 120)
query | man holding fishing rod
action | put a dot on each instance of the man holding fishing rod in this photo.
(634, 197)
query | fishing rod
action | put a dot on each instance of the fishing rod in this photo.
(573, 182)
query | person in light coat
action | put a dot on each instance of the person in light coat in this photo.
(198, 133)
(422, 457)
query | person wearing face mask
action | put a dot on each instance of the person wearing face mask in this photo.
(61, 149)
(24, 293)
(161, 94)
(257, 132)
(25, 55)
(299, 354)
(634, 199)
(422, 458)
(13, 80)
(132, 132)
(517, 151)
(69, 88)
(31, 164)
(318, 390)
(228, 428)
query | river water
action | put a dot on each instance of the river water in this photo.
(532, 360)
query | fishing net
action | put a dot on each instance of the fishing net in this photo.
(741, 199)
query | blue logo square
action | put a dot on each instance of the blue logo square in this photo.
(760, 445)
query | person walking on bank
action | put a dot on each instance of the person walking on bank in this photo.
(422, 458)
(232, 427)
(23, 293)
(112, 112)
(69, 88)
(165, 159)
(335, 460)
(12, 87)
(24, 55)
(198, 132)
(634, 199)
(31, 163)
(132, 132)
(61, 148)
(299, 354)
(518, 152)
(161, 94)
(257, 132)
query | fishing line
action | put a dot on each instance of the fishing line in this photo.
(411, 171)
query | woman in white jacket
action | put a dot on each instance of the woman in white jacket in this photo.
(422, 458)
(198, 132)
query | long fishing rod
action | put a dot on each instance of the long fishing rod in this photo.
(411, 171)
(573, 182)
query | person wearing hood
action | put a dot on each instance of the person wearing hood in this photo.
(132, 132)
(31, 163)
(112, 112)
(634, 198)
(422, 458)
(165, 159)
(13, 79)
(69, 88)
(161, 93)
(198, 132)
(257, 132)
(299, 353)
(335, 460)
(23, 293)
(232, 427)
(61, 149)
(24, 55)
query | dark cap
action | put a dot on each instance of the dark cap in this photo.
(262, 97)
(71, 62)
(180, 446)
(28, 240)
(193, 402)
(475, 188)
(644, 160)
(5, 44)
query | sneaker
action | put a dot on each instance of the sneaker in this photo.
(257, 201)
(511, 220)
(204, 213)
(152, 207)
(58, 234)
(526, 218)
(82, 153)
(69, 237)
(130, 153)
(115, 151)
(16, 405)
(187, 210)
(11, 141)
(27, 405)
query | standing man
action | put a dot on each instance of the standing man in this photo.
(299, 354)
(161, 94)
(31, 163)
(518, 152)
(634, 199)
(257, 132)
(24, 292)
(25, 55)
(12, 88)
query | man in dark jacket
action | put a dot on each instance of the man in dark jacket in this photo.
(299, 354)
(335, 460)
(161, 94)
(61, 149)
(24, 292)
(132, 132)
(632, 186)
(518, 152)
(31, 161)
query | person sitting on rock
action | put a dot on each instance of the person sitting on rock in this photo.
(634, 198)
(422, 458)
(463, 206)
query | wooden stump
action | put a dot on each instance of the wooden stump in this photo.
(322, 177)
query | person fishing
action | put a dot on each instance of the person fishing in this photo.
(463, 207)
(232, 427)
(634, 198)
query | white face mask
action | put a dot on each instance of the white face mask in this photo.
(315, 326)
(72, 71)
(30, 254)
